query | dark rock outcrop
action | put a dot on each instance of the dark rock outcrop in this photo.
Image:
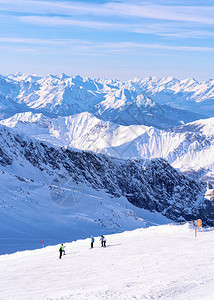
(153, 185)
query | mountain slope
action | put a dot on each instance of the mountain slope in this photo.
(130, 108)
(143, 264)
(83, 131)
(188, 147)
(152, 185)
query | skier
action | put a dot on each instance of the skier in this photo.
(92, 241)
(104, 241)
(63, 249)
(101, 239)
(60, 252)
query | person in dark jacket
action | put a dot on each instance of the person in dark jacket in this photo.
(101, 239)
(104, 241)
(92, 241)
(60, 252)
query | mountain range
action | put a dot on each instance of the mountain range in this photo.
(80, 155)
(125, 103)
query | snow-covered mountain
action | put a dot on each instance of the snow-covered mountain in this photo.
(83, 131)
(124, 103)
(152, 185)
(52, 187)
(51, 95)
(127, 107)
(186, 94)
(189, 147)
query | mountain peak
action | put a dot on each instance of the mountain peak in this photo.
(189, 81)
(64, 76)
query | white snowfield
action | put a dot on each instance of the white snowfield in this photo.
(164, 262)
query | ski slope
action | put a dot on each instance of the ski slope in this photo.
(163, 262)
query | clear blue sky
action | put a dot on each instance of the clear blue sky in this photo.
(111, 39)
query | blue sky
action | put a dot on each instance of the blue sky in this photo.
(110, 39)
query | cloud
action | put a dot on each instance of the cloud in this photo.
(120, 9)
(59, 21)
(31, 41)
(196, 14)
(136, 46)
(161, 19)
(169, 29)
(47, 46)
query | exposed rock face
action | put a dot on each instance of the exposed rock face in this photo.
(4, 159)
(153, 185)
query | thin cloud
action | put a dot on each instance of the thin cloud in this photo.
(88, 47)
(58, 21)
(166, 30)
(194, 13)
(31, 41)
(26, 50)
(132, 46)
(203, 15)
(168, 21)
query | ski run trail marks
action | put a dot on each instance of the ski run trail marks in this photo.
(163, 262)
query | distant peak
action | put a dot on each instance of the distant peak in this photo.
(64, 76)
(78, 77)
(136, 79)
(51, 76)
(151, 78)
(189, 80)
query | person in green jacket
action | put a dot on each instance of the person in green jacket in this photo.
(63, 248)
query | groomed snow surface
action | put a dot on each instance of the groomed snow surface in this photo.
(163, 262)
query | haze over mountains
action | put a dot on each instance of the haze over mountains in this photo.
(48, 125)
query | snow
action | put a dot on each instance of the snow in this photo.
(38, 205)
(163, 262)
(83, 131)
(185, 94)
(65, 95)
(205, 127)
(32, 210)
